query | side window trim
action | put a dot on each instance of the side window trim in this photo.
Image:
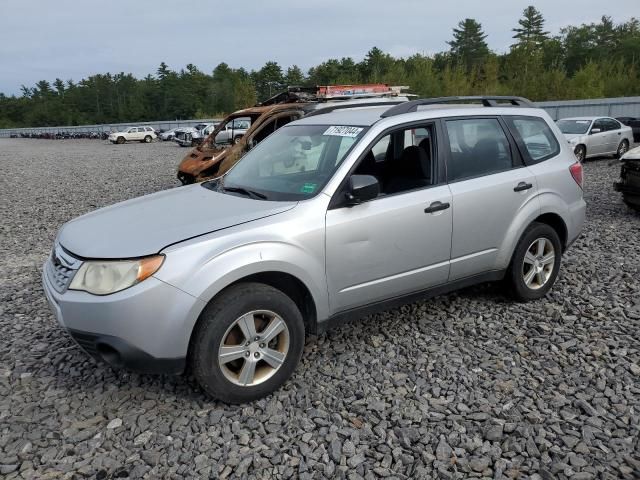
(516, 157)
(338, 202)
(521, 147)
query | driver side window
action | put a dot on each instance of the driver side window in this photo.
(402, 160)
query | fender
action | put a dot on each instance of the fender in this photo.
(205, 279)
(523, 218)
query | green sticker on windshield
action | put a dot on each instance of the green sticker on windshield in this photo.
(308, 188)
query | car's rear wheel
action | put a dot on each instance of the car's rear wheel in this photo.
(622, 148)
(535, 263)
(580, 152)
(120, 140)
(247, 343)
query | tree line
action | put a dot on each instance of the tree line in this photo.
(593, 60)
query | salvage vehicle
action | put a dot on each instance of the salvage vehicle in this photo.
(227, 144)
(629, 183)
(596, 136)
(230, 133)
(182, 135)
(333, 216)
(133, 134)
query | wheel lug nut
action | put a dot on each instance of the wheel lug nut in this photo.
(247, 344)
(246, 354)
(256, 354)
(256, 339)
(262, 345)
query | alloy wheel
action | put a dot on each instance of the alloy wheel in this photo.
(538, 263)
(622, 148)
(253, 348)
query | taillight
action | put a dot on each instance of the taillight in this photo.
(576, 172)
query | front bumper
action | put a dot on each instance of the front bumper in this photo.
(144, 328)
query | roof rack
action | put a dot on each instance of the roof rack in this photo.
(412, 106)
(340, 106)
(324, 93)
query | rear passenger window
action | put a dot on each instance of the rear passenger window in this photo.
(539, 141)
(478, 146)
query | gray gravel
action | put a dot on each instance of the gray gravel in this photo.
(465, 385)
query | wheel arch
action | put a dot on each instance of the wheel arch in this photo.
(287, 283)
(556, 222)
(291, 286)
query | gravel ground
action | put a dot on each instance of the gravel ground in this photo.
(465, 385)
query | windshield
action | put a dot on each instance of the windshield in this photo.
(293, 163)
(574, 126)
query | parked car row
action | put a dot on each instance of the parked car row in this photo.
(336, 213)
(93, 135)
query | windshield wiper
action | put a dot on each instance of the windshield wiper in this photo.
(246, 192)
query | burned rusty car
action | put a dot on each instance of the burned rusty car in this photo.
(629, 183)
(218, 152)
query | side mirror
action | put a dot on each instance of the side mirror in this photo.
(595, 130)
(362, 188)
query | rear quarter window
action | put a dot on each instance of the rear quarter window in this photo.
(534, 137)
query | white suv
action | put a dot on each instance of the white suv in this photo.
(134, 134)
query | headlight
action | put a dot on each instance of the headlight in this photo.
(105, 277)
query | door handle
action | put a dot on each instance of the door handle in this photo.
(522, 186)
(436, 207)
(619, 133)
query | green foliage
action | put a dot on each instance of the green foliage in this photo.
(530, 33)
(468, 46)
(586, 61)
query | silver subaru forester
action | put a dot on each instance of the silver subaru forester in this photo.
(333, 216)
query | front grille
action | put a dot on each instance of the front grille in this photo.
(61, 268)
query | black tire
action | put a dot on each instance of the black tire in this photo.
(212, 326)
(632, 202)
(120, 140)
(622, 148)
(580, 152)
(515, 274)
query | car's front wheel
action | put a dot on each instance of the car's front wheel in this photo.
(247, 343)
(535, 263)
(120, 140)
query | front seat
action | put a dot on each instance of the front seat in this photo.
(412, 170)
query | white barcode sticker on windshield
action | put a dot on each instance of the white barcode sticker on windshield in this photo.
(343, 131)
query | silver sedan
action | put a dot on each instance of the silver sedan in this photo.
(596, 136)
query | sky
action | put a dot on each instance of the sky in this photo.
(71, 39)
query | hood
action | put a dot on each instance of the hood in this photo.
(633, 154)
(570, 136)
(145, 225)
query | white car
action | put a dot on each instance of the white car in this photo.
(134, 134)
(168, 135)
(596, 136)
